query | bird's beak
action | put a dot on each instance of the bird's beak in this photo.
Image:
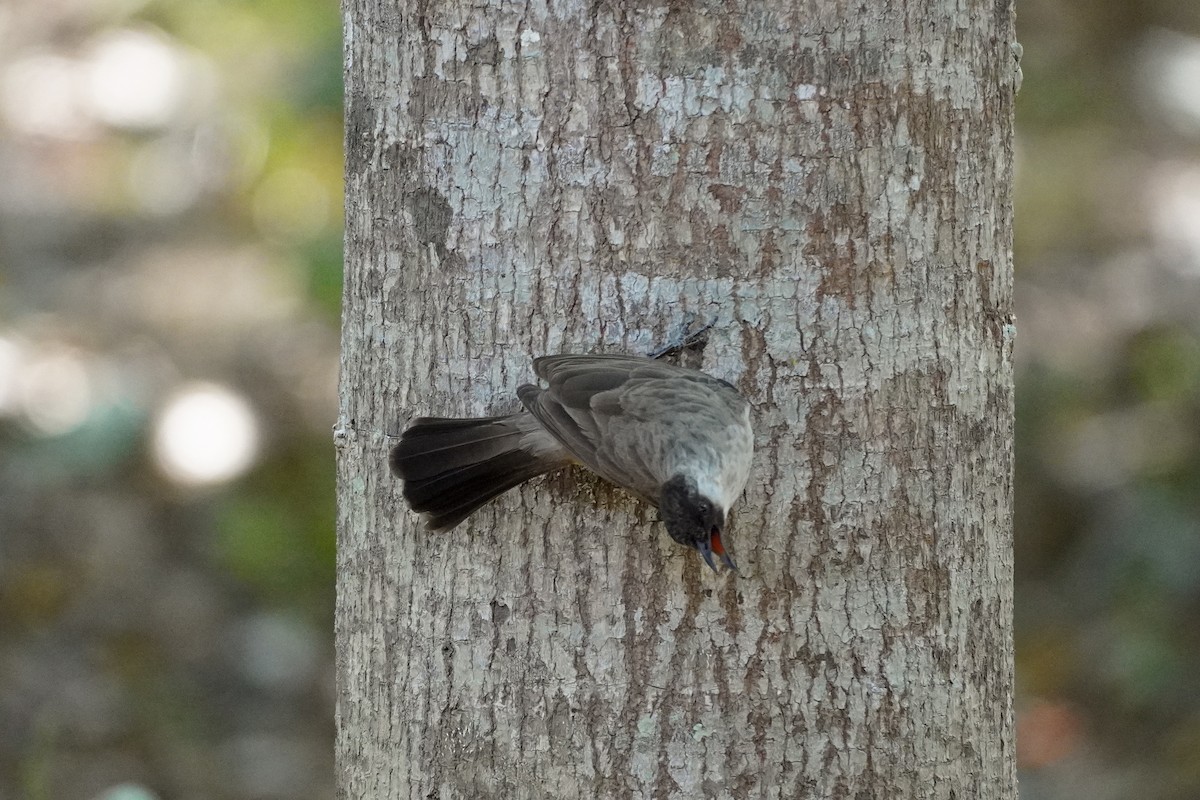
(715, 545)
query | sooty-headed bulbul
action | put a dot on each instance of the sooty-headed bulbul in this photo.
(676, 437)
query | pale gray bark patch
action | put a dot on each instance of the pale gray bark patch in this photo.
(832, 191)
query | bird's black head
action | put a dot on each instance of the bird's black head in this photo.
(693, 519)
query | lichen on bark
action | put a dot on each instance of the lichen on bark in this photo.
(832, 192)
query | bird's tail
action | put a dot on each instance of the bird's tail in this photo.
(451, 467)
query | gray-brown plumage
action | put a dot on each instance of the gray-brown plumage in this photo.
(676, 437)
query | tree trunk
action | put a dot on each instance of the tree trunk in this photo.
(829, 184)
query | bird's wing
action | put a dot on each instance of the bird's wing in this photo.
(608, 410)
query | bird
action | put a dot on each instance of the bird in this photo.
(677, 438)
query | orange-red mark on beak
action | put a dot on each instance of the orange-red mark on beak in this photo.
(715, 542)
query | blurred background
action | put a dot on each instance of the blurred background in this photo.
(170, 269)
(170, 278)
(1108, 399)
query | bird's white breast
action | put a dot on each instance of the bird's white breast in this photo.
(724, 477)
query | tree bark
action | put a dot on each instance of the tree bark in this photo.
(829, 184)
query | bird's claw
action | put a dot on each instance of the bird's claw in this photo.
(689, 340)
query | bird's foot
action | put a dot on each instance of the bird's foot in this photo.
(695, 340)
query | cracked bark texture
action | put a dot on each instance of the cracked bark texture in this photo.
(827, 182)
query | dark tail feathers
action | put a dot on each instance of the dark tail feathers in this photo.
(451, 467)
